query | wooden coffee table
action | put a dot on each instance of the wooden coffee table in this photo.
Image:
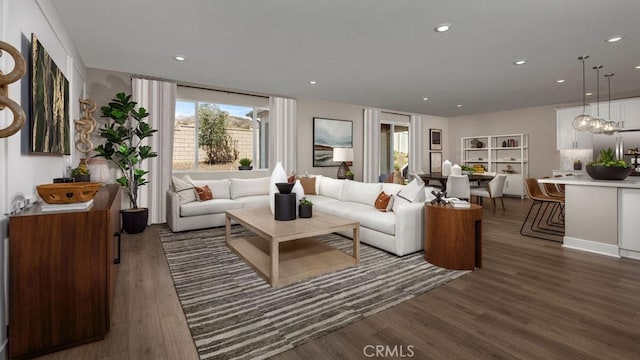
(284, 252)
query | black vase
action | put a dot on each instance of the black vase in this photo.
(82, 178)
(305, 211)
(134, 221)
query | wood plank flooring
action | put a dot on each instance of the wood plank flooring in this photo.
(532, 299)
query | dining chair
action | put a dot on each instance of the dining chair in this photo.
(493, 191)
(458, 186)
(543, 202)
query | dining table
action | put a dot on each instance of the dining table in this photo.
(480, 178)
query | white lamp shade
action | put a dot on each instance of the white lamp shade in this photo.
(342, 154)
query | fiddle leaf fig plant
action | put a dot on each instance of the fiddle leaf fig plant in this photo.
(124, 133)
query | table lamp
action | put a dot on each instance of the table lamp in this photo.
(343, 155)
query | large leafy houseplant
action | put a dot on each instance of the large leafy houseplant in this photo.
(123, 146)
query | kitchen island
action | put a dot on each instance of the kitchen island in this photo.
(602, 216)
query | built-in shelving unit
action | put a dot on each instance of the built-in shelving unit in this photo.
(500, 154)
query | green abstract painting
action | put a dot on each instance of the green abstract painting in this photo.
(49, 104)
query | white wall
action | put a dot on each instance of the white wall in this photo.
(537, 122)
(20, 171)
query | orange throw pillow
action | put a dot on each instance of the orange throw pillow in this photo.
(382, 202)
(308, 185)
(204, 193)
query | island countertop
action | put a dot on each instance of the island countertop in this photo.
(631, 182)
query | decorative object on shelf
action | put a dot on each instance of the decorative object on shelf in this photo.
(581, 122)
(435, 139)
(245, 164)
(508, 170)
(456, 170)
(305, 208)
(50, 127)
(329, 134)
(278, 175)
(285, 202)
(606, 168)
(504, 143)
(435, 162)
(81, 173)
(99, 169)
(478, 168)
(610, 127)
(446, 168)
(577, 165)
(85, 126)
(596, 125)
(67, 193)
(342, 155)
(476, 144)
(124, 134)
(19, 69)
(439, 197)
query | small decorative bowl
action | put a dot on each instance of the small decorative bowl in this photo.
(285, 188)
(68, 193)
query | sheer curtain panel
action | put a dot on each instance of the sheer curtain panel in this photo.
(371, 166)
(283, 134)
(416, 137)
(159, 98)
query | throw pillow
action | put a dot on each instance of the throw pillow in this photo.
(291, 179)
(412, 192)
(382, 202)
(185, 190)
(308, 185)
(204, 193)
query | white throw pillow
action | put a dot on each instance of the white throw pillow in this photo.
(331, 187)
(412, 192)
(364, 193)
(398, 202)
(185, 189)
(249, 187)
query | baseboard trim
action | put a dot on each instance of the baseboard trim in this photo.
(630, 254)
(591, 246)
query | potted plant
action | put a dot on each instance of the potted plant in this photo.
(606, 168)
(245, 164)
(81, 173)
(577, 165)
(349, 175)
(124, 133)
(305, 208)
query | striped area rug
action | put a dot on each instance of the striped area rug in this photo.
(234, 314)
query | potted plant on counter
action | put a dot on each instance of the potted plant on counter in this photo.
(123, 147)
(81, 173)
(305, 208)
(245, 164)
(607, 168)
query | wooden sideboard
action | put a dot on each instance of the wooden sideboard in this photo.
(62, 273)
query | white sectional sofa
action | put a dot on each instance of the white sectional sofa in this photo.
(399, 231)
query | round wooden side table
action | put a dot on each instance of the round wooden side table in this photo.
(453, 236)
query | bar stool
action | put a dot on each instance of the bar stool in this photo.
(543, 202)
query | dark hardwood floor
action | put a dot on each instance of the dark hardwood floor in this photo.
(532, 299)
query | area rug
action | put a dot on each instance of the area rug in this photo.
(233, 313)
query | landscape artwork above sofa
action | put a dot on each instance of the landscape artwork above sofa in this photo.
(327, 135)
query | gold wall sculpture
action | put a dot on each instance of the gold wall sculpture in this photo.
(85, 126)
(19, 69)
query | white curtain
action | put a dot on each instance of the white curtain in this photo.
(159, 98)
(371, 166)
(416, 142)
(283, 134)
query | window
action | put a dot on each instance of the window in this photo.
(214, 136)
(394, 144)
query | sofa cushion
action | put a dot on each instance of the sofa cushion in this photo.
(331, 187)
(214, 206)
(366, 215)
(185, 190)
(390, 188)
(255, 201)
(364, 193)
(308, 185)
(249, 187)
(219, 188)
(204, 193)
(412, 192)
(319, 199)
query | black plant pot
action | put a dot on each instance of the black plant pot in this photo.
(245, 167)
(305, 211)
(608, 172)
(82, 178)
(134, 221)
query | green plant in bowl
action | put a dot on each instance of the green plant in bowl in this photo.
(607, 167)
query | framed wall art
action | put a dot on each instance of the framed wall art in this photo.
(435, 139)
(327, 135)
(50, 131)
(435, 161)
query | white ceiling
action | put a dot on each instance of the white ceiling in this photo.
(375, 53)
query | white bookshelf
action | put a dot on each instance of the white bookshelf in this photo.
(503, 154)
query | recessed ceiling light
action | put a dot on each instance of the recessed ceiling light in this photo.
(444, 27)
(589, 94)
(179, 58)
(520, 62)
(312, 82)
(615, 38)
(637, 67)
(459, 105)
(425, 98)
(560, 81)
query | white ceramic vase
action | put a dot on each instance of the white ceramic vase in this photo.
(446, 168)
(456, 170)
(299, 191)
(278, 175)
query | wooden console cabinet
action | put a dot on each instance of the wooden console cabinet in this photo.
(62, 275)
(453, 236)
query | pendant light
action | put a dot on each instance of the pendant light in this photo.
(581, 122)
(610, 127)
(596, 124)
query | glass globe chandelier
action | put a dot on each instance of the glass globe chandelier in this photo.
(610, 127)
(596, 125)
(581, 122)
